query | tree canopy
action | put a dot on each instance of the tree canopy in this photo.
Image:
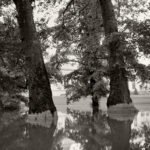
(78, 38)
(80, 33)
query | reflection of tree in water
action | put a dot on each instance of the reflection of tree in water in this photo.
(22, 136)
(40, 138)
(120, 134)
(93, 131)
(12, 135)
(140, 138)
(90, 133)
(96, 131)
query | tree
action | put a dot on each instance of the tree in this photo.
(119, 92)
(81, 42)
(40, 94)
(136, 29)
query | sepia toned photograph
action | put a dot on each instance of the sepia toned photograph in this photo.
(74, 74)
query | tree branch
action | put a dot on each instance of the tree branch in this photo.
(68, 5)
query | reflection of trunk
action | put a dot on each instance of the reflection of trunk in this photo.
(120, 131)
(40, 95)
(17, 135)
(119, 92)
(40, 138)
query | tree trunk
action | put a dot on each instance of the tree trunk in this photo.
(95, 100)
(119, 91)
(40, 94)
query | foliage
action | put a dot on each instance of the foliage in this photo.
(79, 34)
(82, 42)
(142, 133)
(11, 61)
(132, 20)
(134, 34)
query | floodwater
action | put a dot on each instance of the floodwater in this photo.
(77, 128)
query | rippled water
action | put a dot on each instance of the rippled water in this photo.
(77, 130)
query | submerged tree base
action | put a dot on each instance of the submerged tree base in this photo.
(44, 119)
(122, 112)
(119, 90)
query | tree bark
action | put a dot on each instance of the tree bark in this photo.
(119, 91)
(40, 94)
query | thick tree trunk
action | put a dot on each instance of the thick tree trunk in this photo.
(40, 94)
(119, 91)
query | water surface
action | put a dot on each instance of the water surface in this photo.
(77, 128)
